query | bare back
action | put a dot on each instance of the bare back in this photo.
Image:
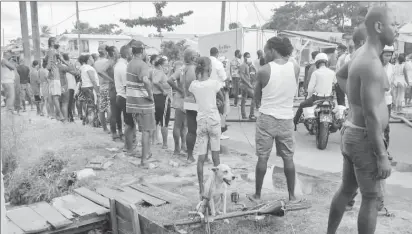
(366, 87)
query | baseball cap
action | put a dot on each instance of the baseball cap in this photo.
(342, 47)
(136, 44)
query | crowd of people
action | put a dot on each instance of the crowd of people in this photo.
(127, 87)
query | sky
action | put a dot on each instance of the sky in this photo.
(204, 20)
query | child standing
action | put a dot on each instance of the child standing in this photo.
(208, 117)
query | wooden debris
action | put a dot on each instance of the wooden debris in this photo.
(12, 228)
(159, 193)
(99, 163)
(28, 220)
(145, 197)
(92, 196)
(81, 206)
(112, 194)
(52, 216)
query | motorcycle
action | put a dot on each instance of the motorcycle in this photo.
(323, 118)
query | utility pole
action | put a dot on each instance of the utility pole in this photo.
(79, 46)
(35, 30)
(222, 16)
(3, 37)
(25, 32)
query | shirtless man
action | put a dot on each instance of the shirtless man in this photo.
(366, 160)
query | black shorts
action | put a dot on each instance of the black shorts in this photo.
(37, 98)
(128, 117)
(162, 111)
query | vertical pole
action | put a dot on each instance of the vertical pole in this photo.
(25, 32)
(3, 37)
(222, 16)
(78, 31)
(35, 30)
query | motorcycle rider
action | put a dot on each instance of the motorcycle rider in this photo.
(320, 85)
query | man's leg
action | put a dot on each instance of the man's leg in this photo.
(191, 133)
(285, 148)
(306, 103)
(23, 96)
(342, 196)
(177, 130)
(214, 129)
(183, 133)
(243, 102)
(235, 87)
(201, 144)
(165, 124)
(10, 96)
(56, 101)
(70, 107)
(252, 103)
(264, 143)
(65, 105)
(103, 109)
(146, 124)
(114, 115)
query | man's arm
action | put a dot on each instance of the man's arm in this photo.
(405, 72)
(172, 83)
(261, 80)
(93, 80)
(370, 94)
(342, 77)
(8, 64)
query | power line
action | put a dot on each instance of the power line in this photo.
(91, 9)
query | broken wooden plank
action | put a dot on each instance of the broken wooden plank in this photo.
(113, 194)
(81, 206)
(147, 198)
(124, 226)
(127, 217)
(159, 193)
(148, 226)
(93, 196)
(52, 216)
(58, 204)
(81, 226)
(113, 216)
(12, 228)
(28, 220)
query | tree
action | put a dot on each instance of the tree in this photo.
(108, 29)
(235, 25)
(174, 51)
(318, 16)
(159, 21)
(45, 31)
(83, 28)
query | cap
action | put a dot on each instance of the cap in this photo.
(389, 49)
(136, 44)
(321, 56)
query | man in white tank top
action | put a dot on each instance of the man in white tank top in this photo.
(275, 89)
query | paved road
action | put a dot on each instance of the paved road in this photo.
(242, 138)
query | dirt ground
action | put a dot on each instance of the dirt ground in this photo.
(79, 144)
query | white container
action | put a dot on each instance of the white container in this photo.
(309, 112)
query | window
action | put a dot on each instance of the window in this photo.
(73, 45)
(85, 46)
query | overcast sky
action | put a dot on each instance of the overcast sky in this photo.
(205, 19)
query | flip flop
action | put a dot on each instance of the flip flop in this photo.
(252, 199)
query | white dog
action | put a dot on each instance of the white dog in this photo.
(216, 188)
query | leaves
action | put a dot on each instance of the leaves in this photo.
(159, 21)
(235, 25)
(318, 16)
(45, 31)
(174, 51)
(108, 29)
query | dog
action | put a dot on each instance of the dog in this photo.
(216, 190)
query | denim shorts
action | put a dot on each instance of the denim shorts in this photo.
(360, 162)
(269, 130)
(208, 131)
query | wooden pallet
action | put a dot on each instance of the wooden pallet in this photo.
(86, 210)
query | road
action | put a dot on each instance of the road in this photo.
(242, 138)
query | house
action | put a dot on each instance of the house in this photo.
(16, 49)
(404, 41)
(89, 42)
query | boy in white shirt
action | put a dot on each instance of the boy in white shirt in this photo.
(208, 117)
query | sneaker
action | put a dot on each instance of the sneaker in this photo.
(223, 137)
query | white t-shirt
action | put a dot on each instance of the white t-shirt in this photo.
(86, 82)
(120, 77)
(321, 82)
(218, 71)
(205, 95)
